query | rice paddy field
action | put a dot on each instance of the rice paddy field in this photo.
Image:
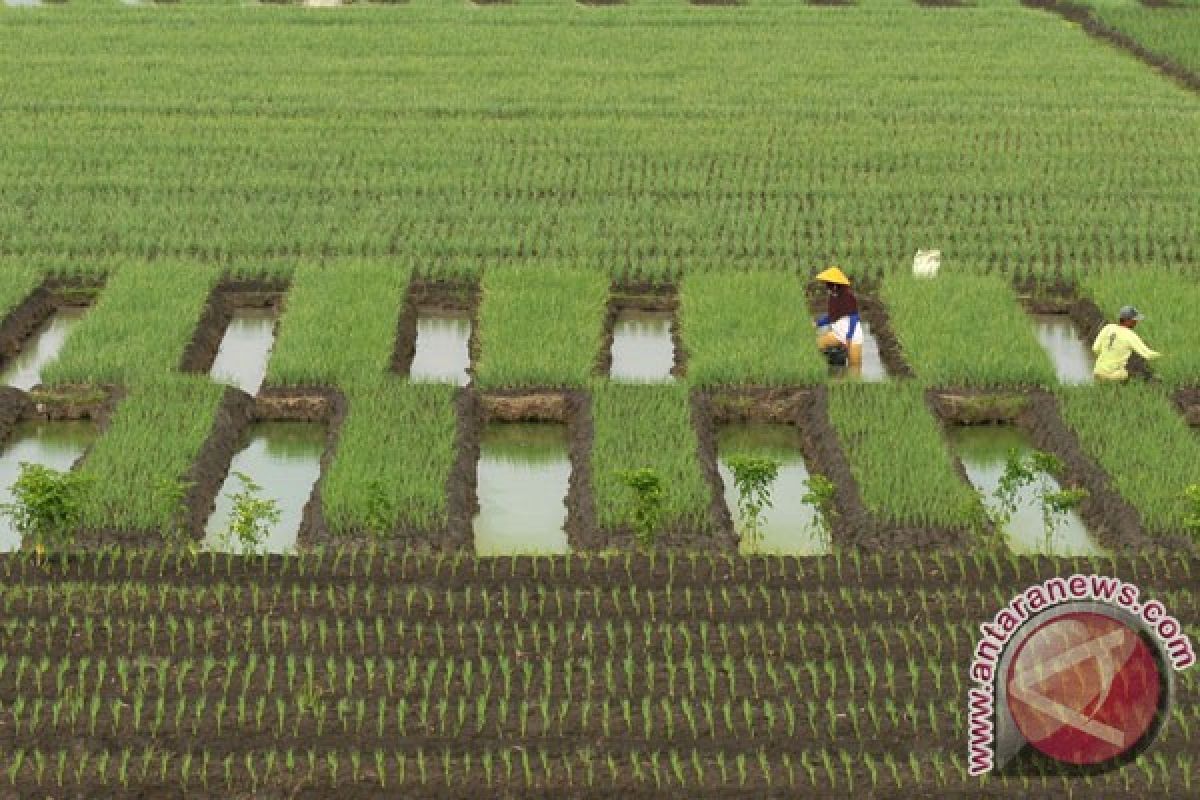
(440, 275)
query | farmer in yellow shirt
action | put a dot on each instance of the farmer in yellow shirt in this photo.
(1115, 343)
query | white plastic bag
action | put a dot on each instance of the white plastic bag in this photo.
(926, 263)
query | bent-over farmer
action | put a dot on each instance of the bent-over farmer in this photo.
(1116, 342)
(841, 316)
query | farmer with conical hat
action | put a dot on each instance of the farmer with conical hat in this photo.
(1116, 342)
(841, 317)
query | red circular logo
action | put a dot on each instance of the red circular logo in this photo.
(1084, 688)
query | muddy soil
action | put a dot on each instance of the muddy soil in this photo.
(1188, 401)
(1083, 16)
(228, 295)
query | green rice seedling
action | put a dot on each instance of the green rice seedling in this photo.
(339, 325)
(1171, 33)
(748, 328)
(638, 427)
(139, 327)
(155, 433)
(540, 326)
(1169, 301)
(19, 281)
(898, 457)
(960, 329)
(397, 438)
(1136, 436)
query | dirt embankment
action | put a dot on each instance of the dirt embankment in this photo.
(223, 300)
(1188, 401)
(1083, 16)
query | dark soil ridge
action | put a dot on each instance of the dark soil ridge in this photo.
(298, 784)
(641, 297)
(931, 570)
(53, 294)
(1085, 18)
(228, 295)
(433, 295)
(1188, 402)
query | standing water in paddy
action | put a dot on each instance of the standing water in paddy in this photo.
(790, 526)
(442, 348)
(57, 445)
(284, 458)
(1058, 337)
(984, 451)
(242, 357)
(25, 370)
(642, 349)
(521, 483)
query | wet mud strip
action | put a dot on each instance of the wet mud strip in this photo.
(641, 297)
(1111, 520)
(226, 296)
(937, 570)
(426, 296)
(1083, 16)
(1188, 402)
(23, 321)
(569, 408)
(14, 406)
(890, 352)
(807, 410)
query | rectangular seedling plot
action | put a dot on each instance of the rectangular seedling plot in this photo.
(57, 445)
(984, 451)
(442, 353)
(245, 348)
(25, 370)
(789, 526)
(284, 459)
(642, 348)
(521, 483)
(1059, 338)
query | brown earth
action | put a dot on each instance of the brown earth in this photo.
(1188, 401)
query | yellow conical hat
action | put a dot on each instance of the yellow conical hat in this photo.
(834, 275)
